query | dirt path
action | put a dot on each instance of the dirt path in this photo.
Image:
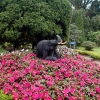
(89, 58)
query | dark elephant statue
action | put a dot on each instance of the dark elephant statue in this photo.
(46, 49)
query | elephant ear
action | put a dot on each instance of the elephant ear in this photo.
(47, 45)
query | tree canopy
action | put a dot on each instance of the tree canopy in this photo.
(39, 18)
(80, 3)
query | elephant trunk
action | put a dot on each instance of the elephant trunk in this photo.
(58, 38)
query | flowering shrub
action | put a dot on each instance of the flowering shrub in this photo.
(63, 49)
(27, 77)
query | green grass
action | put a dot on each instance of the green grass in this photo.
(95, 50)
(5, 96)
(95, 53)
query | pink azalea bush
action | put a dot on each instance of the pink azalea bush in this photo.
(27, 77)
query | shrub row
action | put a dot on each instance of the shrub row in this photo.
(91, 54)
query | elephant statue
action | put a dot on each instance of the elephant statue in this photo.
(46, 49)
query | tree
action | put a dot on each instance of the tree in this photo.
(94, 8)
(87, 25)
(78, 19)
(94, 37)
(37, 18)
(81, 3)
(95, 23)
(75, 33)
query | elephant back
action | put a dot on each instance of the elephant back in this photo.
(39, 47)
(50, 45)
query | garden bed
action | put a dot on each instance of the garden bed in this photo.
(27, 77)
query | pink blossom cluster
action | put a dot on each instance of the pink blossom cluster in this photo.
(27, 77)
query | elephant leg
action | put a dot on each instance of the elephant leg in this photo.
(37, 54)
(45, 54)
(51, 58)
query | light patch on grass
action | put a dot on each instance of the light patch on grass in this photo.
(95, 50)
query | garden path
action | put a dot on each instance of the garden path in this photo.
(89, 58)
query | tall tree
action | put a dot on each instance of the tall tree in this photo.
(40, 18)
(95, 23)
(75, 33)
(78, 19)
(80, 3)
(94, 8)
(80, 25)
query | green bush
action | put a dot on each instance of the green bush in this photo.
(88, 45)
(91, 54)
(4, 96)
(94, 37)
(2, 49)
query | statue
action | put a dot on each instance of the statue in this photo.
(46, 49)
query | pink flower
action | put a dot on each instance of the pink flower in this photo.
(66, 91)
(35, 95)
(50, 83)
(72, 98)
(25, 98)
(60, 98)
(98, 96)
(33, 88)
(92, 93)
(98, 89)
(12, 79)
(26, 84)
(41, 95)
(77, 73)
(67, 74)
(82, 83)
(72, 90)
(40, 67)
(46, 94)
(6, 90)
(15, 95)
(16, 85)
(48, 98)
(84, 76)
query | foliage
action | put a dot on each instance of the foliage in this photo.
(25, 76)
(7, 44)
(2, 49)
(88, 45)
(75, 33)
(95, 23)
(78, 4)
(78, 17)
(94, 8)
(37, 18)
(91, 54)
(90, 12)
(4, 96)
(94, 37)
(80, 25)
(26, 46)
(87, 25)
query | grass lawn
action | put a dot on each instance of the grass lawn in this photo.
(95, 50)
(95, 53)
